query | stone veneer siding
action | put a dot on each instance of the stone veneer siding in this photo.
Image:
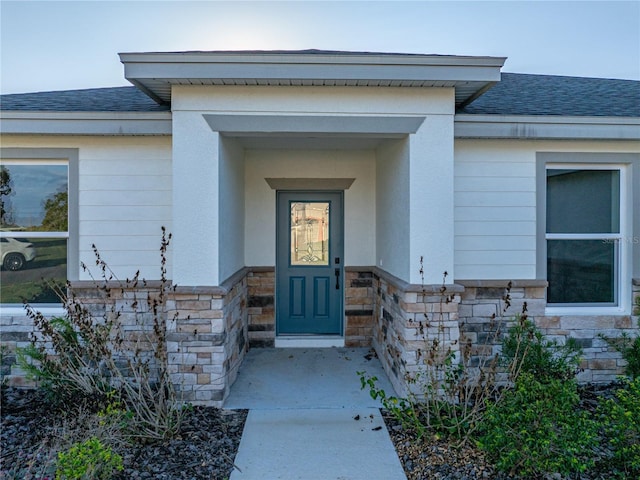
(472, 312)
(404, 313)
(207, 338)
(482, 299)
(206, 332)
(209, 329)
(359, 307)
(14, 333)
(130, 301)
(261, 309)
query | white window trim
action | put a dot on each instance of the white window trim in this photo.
(51, 156)
(624, 273)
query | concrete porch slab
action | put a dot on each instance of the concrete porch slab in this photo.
(286, 378)
(316, 444)
(308, 417)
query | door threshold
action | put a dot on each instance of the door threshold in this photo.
(309, 341)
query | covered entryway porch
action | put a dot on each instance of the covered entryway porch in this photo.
(382, 186)
(248, 126)
(394, 175)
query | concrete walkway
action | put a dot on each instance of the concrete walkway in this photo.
(309, 419)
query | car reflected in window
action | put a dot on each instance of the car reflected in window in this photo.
(16, 253)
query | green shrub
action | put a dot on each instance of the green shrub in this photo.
(630, 350)
(115, 412)
(629, 347)
(536, 429)
(89, 460)
(621, 419)
(526, 350)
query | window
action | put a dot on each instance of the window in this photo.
(34, 226)
(583, 236)
(588, 230)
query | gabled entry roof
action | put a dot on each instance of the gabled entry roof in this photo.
(155, 73)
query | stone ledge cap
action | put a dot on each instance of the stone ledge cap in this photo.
(201, 290)
(417, 288)
(82, 284)
(503, 283)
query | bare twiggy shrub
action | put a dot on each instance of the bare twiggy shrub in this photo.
(455, 378)
(114, 340)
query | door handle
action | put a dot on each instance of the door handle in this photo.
(337, 278)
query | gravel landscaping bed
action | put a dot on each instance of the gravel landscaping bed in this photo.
(433, 458)
(437, 459)
(208, 442)
(205, 449)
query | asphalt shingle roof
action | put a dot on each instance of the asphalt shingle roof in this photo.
(114, 99)
(515, 94)
(524, 94)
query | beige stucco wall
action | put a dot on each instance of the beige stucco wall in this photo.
(197, 153)
(359, 199)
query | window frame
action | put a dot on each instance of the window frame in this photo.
(69, 157)
(629, 167)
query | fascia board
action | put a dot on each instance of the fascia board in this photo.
(85, 123)
(546, 127)
(263, 71)
(316, 58)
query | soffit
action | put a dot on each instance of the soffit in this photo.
(156, 73)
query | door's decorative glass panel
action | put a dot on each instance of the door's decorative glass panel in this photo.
(309, 234)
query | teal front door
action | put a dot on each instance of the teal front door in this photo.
(309, 263)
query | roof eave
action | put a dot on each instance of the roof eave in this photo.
(155, 72)
(85, 123)
(524, 127)
(550, 127)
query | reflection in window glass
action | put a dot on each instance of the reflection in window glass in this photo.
(581, 271)
(34, 230)
(31, 268)
(583, 201)
(309, 237)
(34, 197)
